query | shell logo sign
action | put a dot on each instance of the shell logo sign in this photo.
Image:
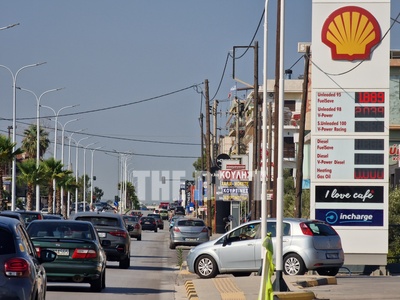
(351, 32)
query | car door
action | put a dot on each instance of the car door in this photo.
(239, 250)
(286, 236)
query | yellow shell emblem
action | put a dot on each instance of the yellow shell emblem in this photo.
(351, 32)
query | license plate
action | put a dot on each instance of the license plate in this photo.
(190, 239)
(102, 234)
(147, 223)
(332, 255)
(61, 252)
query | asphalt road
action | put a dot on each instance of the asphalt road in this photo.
(152, 274)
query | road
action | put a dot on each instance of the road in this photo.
(151, 275)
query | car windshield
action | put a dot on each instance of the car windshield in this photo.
(99, 221)
(321, 229)
(60, 230)
(130, 218)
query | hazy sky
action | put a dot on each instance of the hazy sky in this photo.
(136, 69)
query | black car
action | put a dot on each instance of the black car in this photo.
(30, 216)
(159, 220)
(22, 275)
(111, 227)
(12, 214)
(148, 223)
(179, 210)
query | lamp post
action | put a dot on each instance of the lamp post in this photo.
(84, 174)
(56, 114)
(62, 153)
(69, 167)
(14, 126)
(91, 174)
(76, 171)
(38, 135)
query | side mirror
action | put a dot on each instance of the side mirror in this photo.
(47, 256)
(225, 241)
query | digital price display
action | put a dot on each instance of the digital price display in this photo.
(369, 144)
(369, 126)
(369, 97)
(369, 158)
(369, 112)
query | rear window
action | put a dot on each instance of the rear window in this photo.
(148, 219)
(192, 223)
(60, 230)
(7, 245)
(131, 218)
(100, 221)
(321, 229)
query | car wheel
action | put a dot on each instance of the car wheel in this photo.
(139, 238)
(206, 267)
(171, 245)
(241, 274)
(328, 271)
(156, 229)
(125, 263)
(97, 284)
(293, 265)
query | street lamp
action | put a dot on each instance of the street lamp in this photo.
(91, 174)
(56, 114)
(62, 153)
(38, 135)
(84, 174)
(76, 171)
(14, 126)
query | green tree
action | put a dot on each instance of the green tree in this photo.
(97, 193)
(30, 175)
(131, 195)
(7, 155)
(30, 140)
(53, 170)
(64, 178)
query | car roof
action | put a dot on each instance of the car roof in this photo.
(96, 214)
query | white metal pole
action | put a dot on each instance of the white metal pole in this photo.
(76, 172)
(91, 174)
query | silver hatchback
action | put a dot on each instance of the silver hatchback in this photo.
(307, 245)
(188, 232)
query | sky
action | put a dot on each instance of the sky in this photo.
(136, 71)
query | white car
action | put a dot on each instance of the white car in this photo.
(307, 245)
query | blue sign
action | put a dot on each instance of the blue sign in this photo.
(351, 217)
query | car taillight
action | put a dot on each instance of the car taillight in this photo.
(84, 253)
(16, 267)
(39, 217)
(137, 226)
(120, 233)
(305, 229)
(176, 229)
(205, 229)
(38, 251)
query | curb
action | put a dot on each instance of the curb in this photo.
(316, 282)
(294, 295)
(190, 290)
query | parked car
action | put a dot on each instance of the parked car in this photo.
(148, 223)
(80, 254)
(30, 216)
(22, 274)
(133, 226)
(110, 226)
(160, 222)
(164, 214)
(188, 232)
(12, 214)
(307, 245)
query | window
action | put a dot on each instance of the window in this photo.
(7, 245)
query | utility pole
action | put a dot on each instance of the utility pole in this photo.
(202, 141)
(215, 140)
(256, 209)
(300, 151)
(208, 157)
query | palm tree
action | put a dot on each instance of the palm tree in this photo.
(30, 175)
(65, 178)
(53, 170)
(7, 155)
(30, 140)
